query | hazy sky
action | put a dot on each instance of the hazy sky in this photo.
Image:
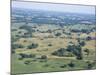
(55, 7)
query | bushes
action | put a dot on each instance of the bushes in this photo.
(71, 64)
(55, 53)
(59, 52)
(89, 65)
(76, 50)
(87, 51)
(79, 56)
(27, 62)
(43, 57)
(82, 43)
(22, 56)
(58, 34)
(49, 44)
(78, 30)
(72, 50)
(63, 66)
(75, 30)
(15, 46)
(33, 45)
(63, 52)
(88, 38)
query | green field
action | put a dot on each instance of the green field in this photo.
(41, 49)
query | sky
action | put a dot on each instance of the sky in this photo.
(55, 7)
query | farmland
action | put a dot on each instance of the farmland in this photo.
(53, 41)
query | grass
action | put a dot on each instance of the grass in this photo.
(54, 63)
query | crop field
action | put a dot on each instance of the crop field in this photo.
(52, 42)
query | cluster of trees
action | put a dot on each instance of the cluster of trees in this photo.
(72, 49)
(63, 52)
(23, 55)
(67, 33)
(82, 30)
(15, 46)
(59, 52)
(70, 64)
(90, 65)
(80, 42)
(76, 50)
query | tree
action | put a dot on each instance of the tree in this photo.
(89, 65)
(44, 58)
(70, 48)
(59, 52)
(71, 64)
(84, 30)
(63, 66)
(49, 31)
(58, 34)
(88, 38)
(79, 56)
(87, 51)
(75, 30)
(33, 45)
(82, 43)
(14, 46)
(76, 50)
(27, 62)
(55, 53)
(20, 57)
(23, 55)
(49, 44)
